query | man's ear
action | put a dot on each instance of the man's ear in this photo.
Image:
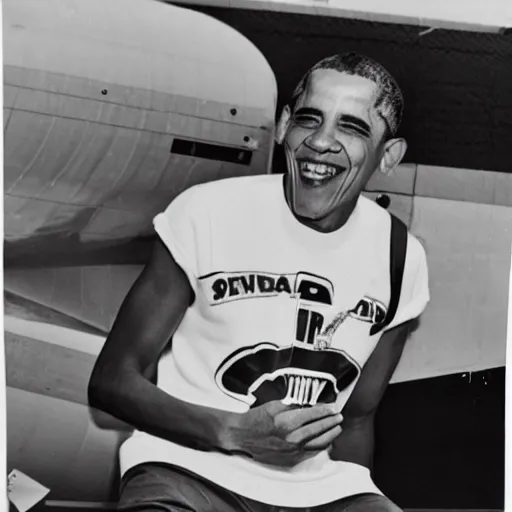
(282, 124)
(394, 151)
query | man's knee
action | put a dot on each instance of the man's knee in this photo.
(367, 503)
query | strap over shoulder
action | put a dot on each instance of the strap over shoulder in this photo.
(398, 251)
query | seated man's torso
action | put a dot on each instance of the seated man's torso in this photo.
(281, 312)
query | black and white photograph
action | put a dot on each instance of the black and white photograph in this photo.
(257, 255)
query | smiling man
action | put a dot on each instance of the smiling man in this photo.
(288, 301)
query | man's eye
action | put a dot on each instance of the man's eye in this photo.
(306, 120)
(354, 128)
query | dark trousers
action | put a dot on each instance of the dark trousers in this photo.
(162, 487)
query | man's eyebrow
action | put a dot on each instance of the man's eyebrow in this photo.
(358, 122)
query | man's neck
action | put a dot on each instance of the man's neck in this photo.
(332, 222)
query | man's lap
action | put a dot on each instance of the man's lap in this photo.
(165, 487)
(151, 487)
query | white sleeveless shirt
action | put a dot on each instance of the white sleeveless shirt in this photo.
(266, 287)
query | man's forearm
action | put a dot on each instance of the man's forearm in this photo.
(144, 406)
(356, 442)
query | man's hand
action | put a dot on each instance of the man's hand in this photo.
(283, 435)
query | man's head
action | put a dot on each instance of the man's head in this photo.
(338, 129)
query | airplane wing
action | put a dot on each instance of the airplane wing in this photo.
(113, 116)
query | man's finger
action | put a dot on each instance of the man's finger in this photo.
(323, 441)
(277, 406)
(291, 420)
(314, 430)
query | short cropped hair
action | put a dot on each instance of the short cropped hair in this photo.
(390, 102)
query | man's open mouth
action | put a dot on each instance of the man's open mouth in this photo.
(316, 174)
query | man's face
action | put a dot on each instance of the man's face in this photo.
(336, 137)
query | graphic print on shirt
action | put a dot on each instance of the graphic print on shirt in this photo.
(306, 372)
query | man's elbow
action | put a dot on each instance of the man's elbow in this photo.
(104, 388)
(96, 392)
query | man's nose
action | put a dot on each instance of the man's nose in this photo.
(323, 140)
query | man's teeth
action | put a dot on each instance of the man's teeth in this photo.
(317, 171)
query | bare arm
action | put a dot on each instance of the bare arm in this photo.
(356, 442)
(120, 382)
